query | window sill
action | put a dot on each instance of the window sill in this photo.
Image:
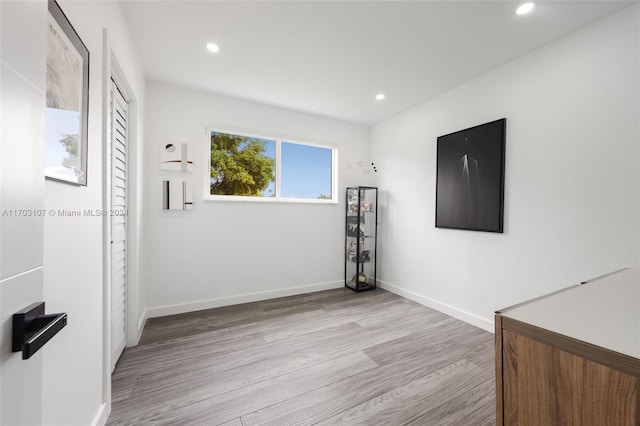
(240, 199)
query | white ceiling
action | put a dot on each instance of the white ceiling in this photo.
(332, 57)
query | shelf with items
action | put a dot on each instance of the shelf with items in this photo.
(366, 207)
(361, 222)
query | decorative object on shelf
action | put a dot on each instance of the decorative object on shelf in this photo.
(175, 157)
(67, 101)
(360, 248)
(177, 194)
(359, 278)
(351, 248)
(364, 257)
(470, 178)
(356, 226)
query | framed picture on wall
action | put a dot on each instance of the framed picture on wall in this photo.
(470, 178)
(67, 101)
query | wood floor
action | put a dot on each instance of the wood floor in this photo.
(328, 358)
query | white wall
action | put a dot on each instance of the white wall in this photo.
(22, 97)
(229, 252)
(73, 378)
(572, 161)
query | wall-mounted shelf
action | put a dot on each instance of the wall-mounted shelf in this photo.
(32, 329)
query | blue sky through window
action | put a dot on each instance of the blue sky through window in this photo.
(306, 171)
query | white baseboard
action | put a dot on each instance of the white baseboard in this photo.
(467, 317)
(101, 416)
(141, 322)
(181, 308)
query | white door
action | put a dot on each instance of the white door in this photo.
(118, 218)
(22, 135)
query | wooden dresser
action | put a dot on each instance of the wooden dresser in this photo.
(572, 357)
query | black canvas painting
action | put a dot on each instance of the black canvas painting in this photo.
(470, 178)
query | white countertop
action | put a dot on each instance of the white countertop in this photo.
(604, 312)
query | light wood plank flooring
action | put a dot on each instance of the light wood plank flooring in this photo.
(328, 358)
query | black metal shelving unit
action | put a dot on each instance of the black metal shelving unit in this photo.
(361, 235)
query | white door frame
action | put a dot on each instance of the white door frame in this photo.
(112, 69)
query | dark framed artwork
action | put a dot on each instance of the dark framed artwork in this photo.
(470, 178)
(67, 108)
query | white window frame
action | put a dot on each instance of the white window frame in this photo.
(278, 175)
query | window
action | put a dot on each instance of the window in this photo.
(252, 167)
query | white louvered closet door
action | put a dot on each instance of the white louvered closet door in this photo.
(118, 223)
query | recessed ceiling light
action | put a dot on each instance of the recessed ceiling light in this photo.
(380, 96)
(525, 8)
(212, 47)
